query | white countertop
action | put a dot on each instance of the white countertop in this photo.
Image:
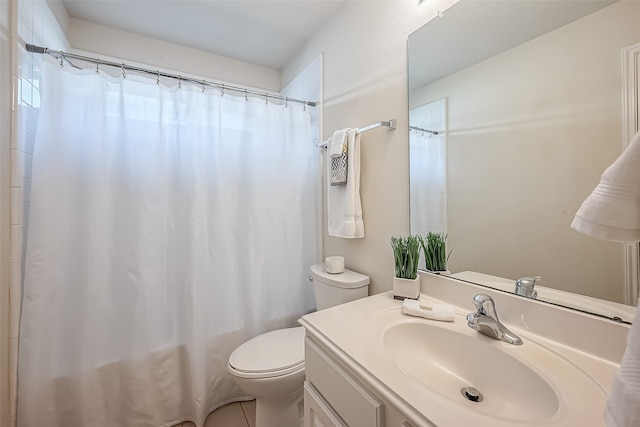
(354, 332)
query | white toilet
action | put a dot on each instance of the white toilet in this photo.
(270, 367)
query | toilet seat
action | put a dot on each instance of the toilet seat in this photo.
(271, 354)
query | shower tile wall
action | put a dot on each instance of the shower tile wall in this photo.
(6, 108)
(32, 22)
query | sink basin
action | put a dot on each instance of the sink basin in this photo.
(529, 384)
(448, 361)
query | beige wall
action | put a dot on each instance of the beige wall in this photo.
(365, 81)
(137, 49)
(530, 132)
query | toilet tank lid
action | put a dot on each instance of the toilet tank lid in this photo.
(346, 279)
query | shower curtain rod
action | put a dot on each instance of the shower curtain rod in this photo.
(66, 56)
(432, 132)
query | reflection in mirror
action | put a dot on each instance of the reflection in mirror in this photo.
(427, 168)
(525, 97)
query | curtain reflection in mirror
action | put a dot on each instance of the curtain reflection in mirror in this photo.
(428, 171)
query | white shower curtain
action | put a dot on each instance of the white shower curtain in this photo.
(428, 182)
(166, 228)
(428, 168)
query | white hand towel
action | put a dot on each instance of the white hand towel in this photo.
(612, 211)
(343, 202)
(442, 312)
(337, 144)
(623, 406)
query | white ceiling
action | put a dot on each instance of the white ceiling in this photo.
(260, 32)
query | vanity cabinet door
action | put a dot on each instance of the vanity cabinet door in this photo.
(355, 405)
(394, 418)
(317, 412)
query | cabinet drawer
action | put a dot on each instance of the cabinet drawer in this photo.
(355, 405)
(317, 412)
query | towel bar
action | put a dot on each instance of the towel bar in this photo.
(391, 125)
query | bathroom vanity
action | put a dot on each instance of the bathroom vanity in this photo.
(368, 364)
(339, 393)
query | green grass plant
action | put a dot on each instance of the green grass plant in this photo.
(434, 249)
(406, 253)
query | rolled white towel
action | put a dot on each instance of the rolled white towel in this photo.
(441, 312)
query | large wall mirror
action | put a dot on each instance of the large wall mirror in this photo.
(515, 110)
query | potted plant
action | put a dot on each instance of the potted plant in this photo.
(435, 253)
(406, 253)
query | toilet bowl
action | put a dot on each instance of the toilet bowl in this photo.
(270, 367)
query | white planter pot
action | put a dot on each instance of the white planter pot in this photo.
(406, 288)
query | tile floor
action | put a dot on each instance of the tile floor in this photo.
(236, 414)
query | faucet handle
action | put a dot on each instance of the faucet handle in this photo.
(485, 305)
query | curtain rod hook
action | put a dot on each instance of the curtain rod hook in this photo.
(124, 73)
(286, 102)
(203, 86)
(61, 59)
(222, 91)
(158, 78)
(266, 98)
(246, 95)
(179, 82)
(97, 65)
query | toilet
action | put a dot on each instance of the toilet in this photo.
(270, 367)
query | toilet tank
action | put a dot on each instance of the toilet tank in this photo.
(334, 289)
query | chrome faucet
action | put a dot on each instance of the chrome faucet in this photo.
(485, 320)
(524, 286)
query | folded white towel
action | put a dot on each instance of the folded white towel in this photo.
(343, 202)
(337, 144)
(442, 312)
(612, 211)
(623, 406)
